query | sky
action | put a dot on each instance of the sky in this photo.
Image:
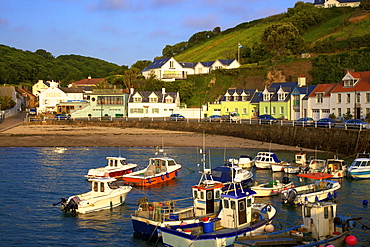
(121, 31)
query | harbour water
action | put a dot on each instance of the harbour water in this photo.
(32, 179)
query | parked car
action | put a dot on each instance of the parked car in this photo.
(305, 121)
(177, 117)
(62, 117)
(213, 118)
(32, 111)
(231, 117)
(325, 122)
(267, 119)
(355, 123)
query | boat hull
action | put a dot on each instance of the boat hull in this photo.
(359, 173)
(262, 165)
(145, 181)
(265, 190)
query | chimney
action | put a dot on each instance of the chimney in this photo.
(346, 71)
(132, 90)
(89, 77)
(163, 90)
(301, 81)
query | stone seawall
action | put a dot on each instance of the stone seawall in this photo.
(333, 140)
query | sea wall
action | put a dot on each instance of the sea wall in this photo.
(335, 140)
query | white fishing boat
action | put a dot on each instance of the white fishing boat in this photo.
(296, 166)
(321, 190)
(360, 167)
(105, 194)
(321, 227)
(314, 165)
(239, 216)
(159, 170)
(264, 160)
(151, 217)
(272, 188)
(279, 167)
(335, 167)
(116, 168)
(245, 161)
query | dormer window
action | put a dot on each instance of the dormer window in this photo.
(282, 96)
(319, 98)
(350, 82)
(227, 98)
(153, 100)
(244, 98)
(137, 99)
(169, 99)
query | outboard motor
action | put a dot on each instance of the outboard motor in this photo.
(288, 196)
(72, 205)
(286, 180)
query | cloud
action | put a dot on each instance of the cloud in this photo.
(113, 5)
(200, 23)
(3, 22)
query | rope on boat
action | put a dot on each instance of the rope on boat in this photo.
(155, 229)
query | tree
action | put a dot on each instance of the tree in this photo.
(167, 51)
(7, 102)
(365, 4)
(141, 64)
(282, 38)
(44, 54)
(304, 16)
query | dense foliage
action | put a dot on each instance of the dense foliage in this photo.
(26, 67)
(6, 102)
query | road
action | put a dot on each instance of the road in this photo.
(13, 121)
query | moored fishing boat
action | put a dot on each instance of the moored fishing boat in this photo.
(264, 160)
(272, 188)
(245, 161)
(239, 216)
(151, 217)
(159, 170)
(296, 166)
(335, 167)
(279, 167)
(360, 167)
(321, 227)
(105, 194)
(227, 173)
(116, 168)
(322, 189)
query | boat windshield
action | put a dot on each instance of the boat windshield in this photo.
(359, 163)
(113, 185)
(171, 163)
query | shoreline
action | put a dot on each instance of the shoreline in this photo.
(74, 136)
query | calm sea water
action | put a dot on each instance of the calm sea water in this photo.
(32, 179)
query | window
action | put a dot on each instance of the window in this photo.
(46, 102)
(367, 111)
(171, 64)
(348, 98)
(339, 98)
(169, 100)
(244, 98)
(155, 110)
(244, 111)
(137, 99)
(358, 98)
(281, 110)
(266, 110)
(236, 109)
(348, 110)
(339, 112)
(367, 97)
(319, 98)
(282, 96)
(136, 110)
(101, 187)
(226, 203)
(273, 110)
(96, 186)
(153, 99)
(227, 98)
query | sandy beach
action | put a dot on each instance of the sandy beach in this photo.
(72, 136)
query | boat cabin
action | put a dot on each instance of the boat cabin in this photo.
(102, 186)
(317, 165)
(268, 157)
(207, 197)
(318, 218)
(159, 165)
(237, 208)
(300, 158)
(115, 162)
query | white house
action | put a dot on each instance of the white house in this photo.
(336, 3)
(319, 101)
(352, 95)
(168, 69)
(41, 86)
(142, 104)
(49, 98)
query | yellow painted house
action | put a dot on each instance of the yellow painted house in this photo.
(234, 100)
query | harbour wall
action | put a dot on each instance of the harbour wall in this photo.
(335, 140)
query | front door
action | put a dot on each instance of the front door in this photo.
(242, 212)
(210, 202)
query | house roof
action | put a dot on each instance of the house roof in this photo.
(71, 90)
(187, 64)
(145, 96)
(89, 81)
(157, 64)
(257, 97)
(239, 92)
(362, 85)
(323, 88)
(226, 61)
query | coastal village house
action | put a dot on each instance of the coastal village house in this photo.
(336, 3)
(50, 97)
(152, 104)
(41, 86)
(168, 69)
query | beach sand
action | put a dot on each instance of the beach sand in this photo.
(73, 136)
